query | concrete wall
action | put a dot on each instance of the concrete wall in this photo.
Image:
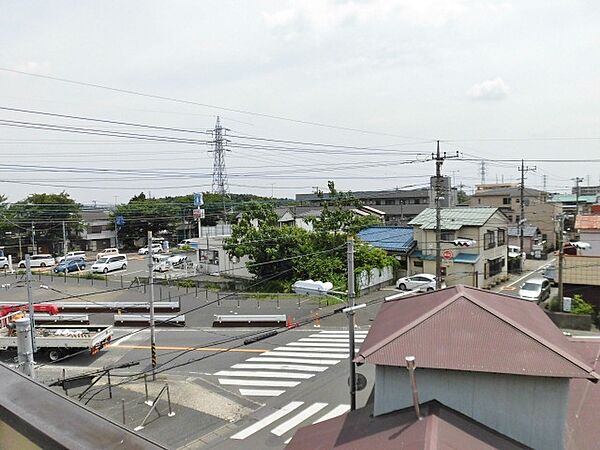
(531, 410)
(583, 270)
(375, 279)
(593, 238)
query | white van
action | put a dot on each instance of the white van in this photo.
(110, 263)
(41, 260)
(107, 252)
(71, 255)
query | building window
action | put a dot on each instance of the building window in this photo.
(488, 240)
(390, 202)
(495, 266)
(447, 235)
(418, 263)
(501, 236)
(378, 202)
(506, 201)
(510, 219)
(517, 200)
(479, 201)
(517, 218)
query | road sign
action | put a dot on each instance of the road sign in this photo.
(447, 254)
(198, 199)
(120, 221)
(199, 213)
(361, 382)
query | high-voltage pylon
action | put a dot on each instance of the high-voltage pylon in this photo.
(219, 176)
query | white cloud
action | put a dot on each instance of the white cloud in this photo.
(495, 89)
(32, 67)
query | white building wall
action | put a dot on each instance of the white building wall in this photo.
(531, 410)
(592, 238)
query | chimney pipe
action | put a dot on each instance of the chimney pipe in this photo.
(410, 365)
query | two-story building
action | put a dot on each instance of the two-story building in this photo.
(483, 264)
(98, 230)
(538, 211)
(464, 368)
(398, 205)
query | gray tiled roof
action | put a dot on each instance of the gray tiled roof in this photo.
(454, 218)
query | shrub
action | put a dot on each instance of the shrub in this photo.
(580, 306)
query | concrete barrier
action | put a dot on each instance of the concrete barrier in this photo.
(570, 321)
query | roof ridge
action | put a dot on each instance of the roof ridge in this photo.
(534, 336)
(380, 344)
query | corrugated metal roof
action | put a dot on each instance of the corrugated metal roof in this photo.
(587, 222)
(528, 231)
(463, 328)
(399, 239)
(453, 218)
(440, 428)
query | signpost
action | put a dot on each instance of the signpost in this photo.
(448, 254)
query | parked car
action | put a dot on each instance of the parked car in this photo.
(71, 255)
(161, 263)
(177, 260)
(415, 281)
(185, 243)
(535, 290)
(107, 252)
(109, 263)
(41, 260)
(70, 265)
(551, 274)
(156, 248)
(431, 286)
(514, 251)
(3, 262)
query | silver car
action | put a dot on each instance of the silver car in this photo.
(535, 290)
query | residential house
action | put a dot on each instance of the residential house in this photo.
(98, 230)
(298, 216)
(588, 227)
(214, 259)
(483, 264)
(492, 371)
(507, 197)
(35, 417)
(532, 238)
(397, 241)
(570, 203)
(399, 205)
(586, 190)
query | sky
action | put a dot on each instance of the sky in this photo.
(357, 92)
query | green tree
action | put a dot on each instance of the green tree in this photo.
(46, 213)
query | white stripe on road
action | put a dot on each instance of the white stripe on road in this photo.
(304, 368)
(287, 441)
(298, 419)
(342, 332)
(126, 337)
(263, 383)
(320, 344)
(307, 355)
(261, 392)
(294, 360)
(260, 374)
(265, 422)
(337, 411)
(312, 349)
(311, 338)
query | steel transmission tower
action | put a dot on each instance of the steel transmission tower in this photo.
(219, 176)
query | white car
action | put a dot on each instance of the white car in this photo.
(415, 281)
(109, 263)
(3, 262)
(42, 260)
(431, 286)
(185, 243)
(535, 290)
(107, 252)
(156, 248)
(71, 255)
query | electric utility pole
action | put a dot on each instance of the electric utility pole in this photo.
(439, 161)
(351, 304)
(30, 301)
(151, 283)
(561, 257)
(523, 170)
(65, 245)
(33, 238)
(577, 180)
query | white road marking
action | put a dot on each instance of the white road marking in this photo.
(311, 349)
(298, 419)
(320, 344)
(307, 355)
(263, 383)
(280, 367)
(312, 338)
(342, 332)
(265, 422)
(294, 360)
(528, 274)
(126, 337)
(261, 392)
(337, 411)
(260, 374)
(287, 441)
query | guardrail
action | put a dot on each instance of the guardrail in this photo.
(117, 306)
(82, 319)
(250, 320)
(160, 320)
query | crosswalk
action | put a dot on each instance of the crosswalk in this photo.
(303, 414)
(272, 372)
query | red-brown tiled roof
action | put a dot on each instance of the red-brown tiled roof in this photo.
(587, 222)
(463, 328)
(583, 430)
(440, 428)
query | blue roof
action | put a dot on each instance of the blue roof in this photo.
(461, 258)
(397, 239)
